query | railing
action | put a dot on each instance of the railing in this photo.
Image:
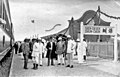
(102, 49)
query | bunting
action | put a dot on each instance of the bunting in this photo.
(109, 15)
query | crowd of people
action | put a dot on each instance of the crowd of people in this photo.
(61, 49)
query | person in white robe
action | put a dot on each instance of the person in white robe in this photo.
(35, 54)
(84, 47)
(79, 51)
(41, 50)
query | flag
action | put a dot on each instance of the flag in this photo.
(53, 27)
(32, 21)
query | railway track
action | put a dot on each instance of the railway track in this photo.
(5, 62)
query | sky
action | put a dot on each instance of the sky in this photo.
(47, 13)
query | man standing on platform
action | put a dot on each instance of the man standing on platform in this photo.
(60, 49)
(26, 51)
(40, 51)
(70, 46)
(51, 48)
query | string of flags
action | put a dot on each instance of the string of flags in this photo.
(99, 11)
(109, 15)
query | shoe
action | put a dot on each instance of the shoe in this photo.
(48, 65)
(71, 66)
(68, 66)
(52, 65)
(25, 68)
(33, 66)
(59, 64)
(41, 65)
(62, 63)
(36, 66)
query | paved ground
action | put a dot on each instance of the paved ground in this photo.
(94, 67)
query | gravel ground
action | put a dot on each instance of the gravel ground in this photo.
(78, 70)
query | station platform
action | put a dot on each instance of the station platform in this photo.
(94, 67)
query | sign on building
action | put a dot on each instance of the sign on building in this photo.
(99, 30)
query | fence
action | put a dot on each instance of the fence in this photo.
(102, 49)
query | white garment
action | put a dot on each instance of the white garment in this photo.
(44, 49)
(36, 47)
(84, 46)
(35, 53)
(40, 59)
(51, 43)
(80, 53)
(41, 48)
(74, 47)
(60, 58)
(36, 58)
(70, 46)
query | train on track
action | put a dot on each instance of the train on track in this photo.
(6, 26)
(6, 38)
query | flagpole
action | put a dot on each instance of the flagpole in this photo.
(2, 9)
(34, 34)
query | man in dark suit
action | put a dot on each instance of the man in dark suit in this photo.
(51, 48)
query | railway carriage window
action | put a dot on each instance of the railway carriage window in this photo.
(4, 40)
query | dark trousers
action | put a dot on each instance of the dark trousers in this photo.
(16, 50)
(25, 60)
(30, 56)
(49, 58)
(84, 57)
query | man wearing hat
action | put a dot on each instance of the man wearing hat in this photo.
(35, 54)
(26, 51)
(40, 51)
(60, 48)
(70, 46)
(51, 48)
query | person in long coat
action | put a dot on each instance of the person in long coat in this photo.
(79, 51)
(60, 49)
(31, 48)
(51, 48)
(26, 51)
(41, 49)
(84, 47)
(16, 47)
(35, 54)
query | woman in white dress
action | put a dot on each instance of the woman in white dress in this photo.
(79, 51)
(35, 54)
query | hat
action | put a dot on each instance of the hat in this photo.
(68, 36)
(78, 40)
(60, 38)
(39, 38)
(26, 40)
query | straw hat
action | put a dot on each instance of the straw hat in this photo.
(78, 40)
(60, 38)
(68, 36)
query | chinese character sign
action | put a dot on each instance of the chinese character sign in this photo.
(99, 30)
